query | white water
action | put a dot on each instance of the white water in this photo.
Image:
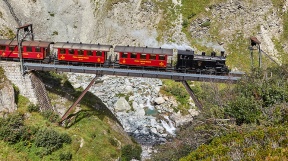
(148, 104)
(168, 127)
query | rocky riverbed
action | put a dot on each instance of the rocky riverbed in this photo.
(143, 111)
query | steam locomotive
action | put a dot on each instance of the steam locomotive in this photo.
(118, 56)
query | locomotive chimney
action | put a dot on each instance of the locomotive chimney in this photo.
(203, 53)
(222, 53)
(213, 53)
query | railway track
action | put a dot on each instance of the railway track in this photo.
(133, 73)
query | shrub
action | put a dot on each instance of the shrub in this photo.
(50, 115)
(245, 110)
(50, 140)
(185, 23)
(206, 24)
(65, 156)
(129, 152)
(11, 128)
(33, 108)
(113, 142)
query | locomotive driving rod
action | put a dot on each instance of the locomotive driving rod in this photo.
(78, 100)
(193, 96)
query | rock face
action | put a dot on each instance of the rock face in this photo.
(96, 21)
(7, 99)
(232, 19)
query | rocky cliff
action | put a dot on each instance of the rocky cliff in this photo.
(7, 99)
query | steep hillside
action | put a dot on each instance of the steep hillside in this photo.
(90, 131)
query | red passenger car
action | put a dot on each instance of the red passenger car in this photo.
(36, 50)
(82, 53)
(143, 56)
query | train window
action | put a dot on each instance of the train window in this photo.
(37, 49)
(29, 49)
(152, 57)
(11, 48)
(2, 47)
(124, 55)
(143, 56)
(89, 53)
(133, 55)
(71, 51)
(62, 51)
(80, 52)
(161, 57)
(98, 53)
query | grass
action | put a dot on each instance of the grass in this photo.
(94, 133)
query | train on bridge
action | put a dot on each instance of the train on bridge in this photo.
(185, 61)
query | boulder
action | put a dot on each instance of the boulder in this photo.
(7, 100)
(122, 105)
(159, 100)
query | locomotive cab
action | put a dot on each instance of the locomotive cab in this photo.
(184, 60)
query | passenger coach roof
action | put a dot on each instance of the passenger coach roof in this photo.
(25, 43)
(145, 50)
(97, 47)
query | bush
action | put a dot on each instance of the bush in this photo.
(50, 140)
(33, 108)
(65, 156)
(129, 152)
(244, 110)
(11, 128)
(50, 115)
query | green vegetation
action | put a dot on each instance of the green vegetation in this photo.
(2, 77)
(51, 14)
(90, 134)
(7, 33)
(110, 3)
(176, 89)
(249, 120)
(33, 108)
(262, 143)
(1, 15)
(55, 33)
(131, 152)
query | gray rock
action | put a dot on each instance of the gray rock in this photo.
(159, 100)
(122, 105)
